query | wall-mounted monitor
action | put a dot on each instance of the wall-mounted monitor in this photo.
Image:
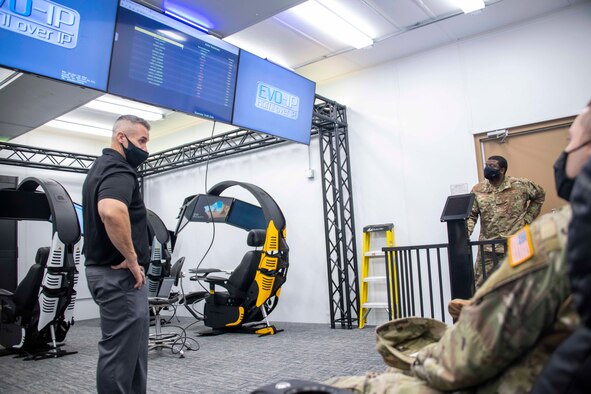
(161, 61)
(68, 40)
(273, 100)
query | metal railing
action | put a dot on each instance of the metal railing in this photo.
(497, 250)
(418, 278)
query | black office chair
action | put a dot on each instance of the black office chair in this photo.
(162, 340)
(16, 330)
(250, 292)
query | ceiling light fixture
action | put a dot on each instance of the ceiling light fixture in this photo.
(80, 128)
(7, 77)
(123, 109)
(186, 21)
(329, 22)
(470, 5)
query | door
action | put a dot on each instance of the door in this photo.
(530, 151)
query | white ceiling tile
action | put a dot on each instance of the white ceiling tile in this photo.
(361, 15)
(498, 15)
(402, 13)
(402, 45)
(279, 43)
(441, 7)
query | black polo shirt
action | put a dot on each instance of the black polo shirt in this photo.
(112, 177)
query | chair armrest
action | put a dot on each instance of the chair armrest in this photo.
(203, 274)
(201, 271)
(6, 293)
(216, 280)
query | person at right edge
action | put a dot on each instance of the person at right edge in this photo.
(569, 368)
(504, 204)
(508, 330)
(116, 250)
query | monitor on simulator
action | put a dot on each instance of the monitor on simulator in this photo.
(273, 100)
(161, 61)
(78, 209)
(457, 207)
(204, 207)
(68, 40)
(246, 216)
(209, 208)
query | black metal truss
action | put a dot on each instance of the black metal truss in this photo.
(28, 156)
(217, 147)
(341, 253)
(329, 121)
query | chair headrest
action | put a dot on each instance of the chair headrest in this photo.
(42, 255)
(256, 237)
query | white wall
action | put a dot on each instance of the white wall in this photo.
(410, 130)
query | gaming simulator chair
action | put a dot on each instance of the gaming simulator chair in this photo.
(159, 339)
(243, 301)
(160, 253)
(39, 313)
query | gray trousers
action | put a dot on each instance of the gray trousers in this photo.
(123, 349)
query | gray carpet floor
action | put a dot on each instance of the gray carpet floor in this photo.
(229, 363)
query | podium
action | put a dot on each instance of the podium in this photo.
(461, 273)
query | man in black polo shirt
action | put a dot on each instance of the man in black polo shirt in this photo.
(116, 248)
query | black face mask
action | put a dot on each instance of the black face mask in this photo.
(491, 173)
(134, 155)
(564, 184)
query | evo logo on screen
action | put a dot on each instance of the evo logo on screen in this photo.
(41, 19)
(277, 101)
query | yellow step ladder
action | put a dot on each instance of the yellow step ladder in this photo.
(369, 258)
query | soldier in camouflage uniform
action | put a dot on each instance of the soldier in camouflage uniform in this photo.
(503, 335)
(505, 204)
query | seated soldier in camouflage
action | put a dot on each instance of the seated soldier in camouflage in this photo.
(504, 334)
(502, 337)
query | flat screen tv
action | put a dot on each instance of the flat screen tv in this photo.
(161, 61)
(68, 40)
(273, 100)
